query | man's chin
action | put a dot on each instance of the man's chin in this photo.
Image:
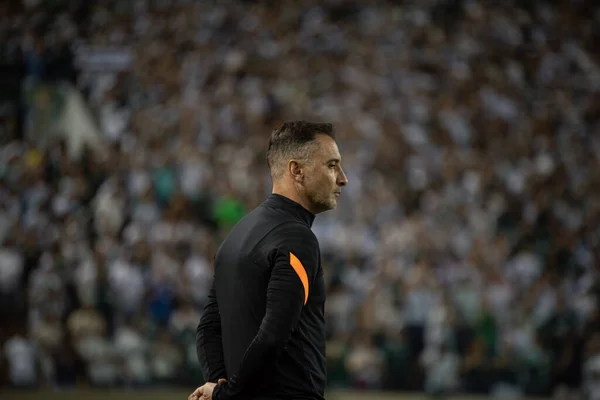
(325, 204)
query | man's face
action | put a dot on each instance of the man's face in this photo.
(324, 176)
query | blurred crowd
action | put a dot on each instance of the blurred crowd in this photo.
(464, 254)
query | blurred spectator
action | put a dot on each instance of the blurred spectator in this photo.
(365, 363)
(133, 350)
(166, 359)
(22, 358)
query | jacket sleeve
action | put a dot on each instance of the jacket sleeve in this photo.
(208, 340)
(294, 261)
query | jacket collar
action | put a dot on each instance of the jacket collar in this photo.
(283, 203)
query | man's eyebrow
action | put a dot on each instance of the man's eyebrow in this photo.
(335, 159)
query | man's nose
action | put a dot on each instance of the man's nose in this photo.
(342, 179)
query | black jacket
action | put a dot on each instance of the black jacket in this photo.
(264, 328)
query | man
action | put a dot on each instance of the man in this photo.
(262, 334)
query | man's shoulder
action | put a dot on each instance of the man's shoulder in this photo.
(294, 228)
(278, 222)
(293, 236)
(271, 229)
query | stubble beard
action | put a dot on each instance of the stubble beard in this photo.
(324, 202)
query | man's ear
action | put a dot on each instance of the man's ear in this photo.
(296, 170)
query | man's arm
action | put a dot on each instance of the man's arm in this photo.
(294, 263)
(208, 340)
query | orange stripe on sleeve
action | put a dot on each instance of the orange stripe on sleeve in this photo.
(301, 272)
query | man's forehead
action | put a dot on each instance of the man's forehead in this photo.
(327, 148)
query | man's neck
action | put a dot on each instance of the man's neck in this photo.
(291, 194)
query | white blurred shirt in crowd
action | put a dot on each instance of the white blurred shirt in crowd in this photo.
(197, 271)
(11, 269)
(21, 356)
(591, 377)
(109, 208)
(132, 349)
(100, 355)
(127, 283)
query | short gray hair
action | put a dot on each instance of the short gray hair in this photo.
(293, 140)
